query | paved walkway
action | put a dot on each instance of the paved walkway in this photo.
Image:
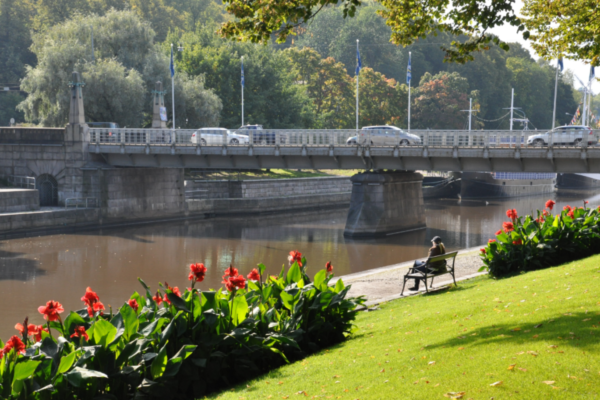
(384, 284)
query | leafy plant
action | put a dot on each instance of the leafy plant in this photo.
(173, 345)
(526, 244)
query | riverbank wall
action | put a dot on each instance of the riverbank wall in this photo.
(135, 196)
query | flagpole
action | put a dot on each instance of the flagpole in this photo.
(243, 90)
(555, 91)
(357, 73)
(173, 90)
(409, 82)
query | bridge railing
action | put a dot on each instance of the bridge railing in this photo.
(341, 137)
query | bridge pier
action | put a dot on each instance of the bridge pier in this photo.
(385, 203)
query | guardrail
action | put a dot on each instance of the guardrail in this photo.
(85, 202)
(25, 182)
(340, 137)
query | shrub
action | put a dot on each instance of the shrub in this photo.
(172, 345)
(528, 243)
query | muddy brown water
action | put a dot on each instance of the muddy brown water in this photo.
(60, 267)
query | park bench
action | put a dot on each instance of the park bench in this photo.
(423, 276)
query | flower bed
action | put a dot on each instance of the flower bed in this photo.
(552, 238)
(172, 345)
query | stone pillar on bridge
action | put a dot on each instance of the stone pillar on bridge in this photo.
(77, 129)
(385, 203)
(158, 104)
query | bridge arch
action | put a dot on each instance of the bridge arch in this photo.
(47, 186)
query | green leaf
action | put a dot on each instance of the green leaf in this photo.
(261, 268)
(79, 375)
(160, 363)
(239, 309)
(25, 369)
(72, 320)
(66, 363)
(153, 327)
(320, 279)
(130, 320)
(104, 332)
(339, 286)
(294, 274)
(185, 351)
(178, 302)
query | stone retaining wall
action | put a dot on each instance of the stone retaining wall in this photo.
(17, 200)
(265, 188)
(42, 222)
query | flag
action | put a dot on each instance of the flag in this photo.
(242, 71)
(408, 71)
(358, 63)
(592, 72)
(561, 65)
(172, 66)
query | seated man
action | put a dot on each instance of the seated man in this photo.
(437, 250)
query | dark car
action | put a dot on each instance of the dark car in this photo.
(259, 135)
(113, 125)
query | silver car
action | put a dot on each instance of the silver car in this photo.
(386, 135)
(565, 135)
(218, 136)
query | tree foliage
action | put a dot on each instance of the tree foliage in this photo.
(15, 40)
(118, 84)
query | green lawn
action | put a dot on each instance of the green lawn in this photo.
(533, 336)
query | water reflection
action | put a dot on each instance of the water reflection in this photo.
(60, 267)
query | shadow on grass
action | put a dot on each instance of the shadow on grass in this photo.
(569, 329)
(447, 289)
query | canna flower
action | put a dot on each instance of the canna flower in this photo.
(133, 304)
(175, 291)
(51, 310)
(80, 332)
(90, 297)
(157, 298)
(234, 282)
(231, 271)
(570, 214)
(508, 226)
(14, 343)
(482, 251)
(539, 220)
(512, 214)
(295, 256)
(491, 240)
(586, 202)
(545, 213)
(97, 307)
(254, 275)
(329, 267)
(567, 208)
(550, 204)
(30, 329)
(499, 232)
(517, 242)
(197, 272)
(38, 332)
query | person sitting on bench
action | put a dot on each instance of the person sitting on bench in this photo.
(436, 250)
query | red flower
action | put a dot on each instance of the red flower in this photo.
(90, 297)
(550, 204)
(539, 220)
(567, 208)
(80, 332)
(197, 272)
(329, 267)
(30, 329)
(51, 310)
(175, 291)
(230, 271)
(570, 214)
(483, 251)
(133, 304)
(512, 214)
(518, 242)
(508, 226)
(38, 332)
(14, 343)
(254, 275)
(157, 298)
(499, 232)
(491, 240)
(295, 256)
(97, 307)
(586, 202)
(234, 282)
(545, 213)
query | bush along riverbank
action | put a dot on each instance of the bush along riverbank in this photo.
(172, 345)
(552, 238)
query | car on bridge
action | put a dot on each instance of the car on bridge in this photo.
(259, 135)
(384, 135)
(566, 135)
(218, 136)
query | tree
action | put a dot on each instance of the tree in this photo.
(439, 101)
(15, 40)
(8, 108)
(127, 66)
(381, 100)
(469, 21)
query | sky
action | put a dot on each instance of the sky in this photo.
(509, 34)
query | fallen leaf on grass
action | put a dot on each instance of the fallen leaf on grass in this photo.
(461, 348)
(511, 367)
(522, 369)
(454, 395)
(549, 382)
(280, 383)
(538, 326)
(496, 383)
(587, 319)
(516, 329)
(552, 346)
(302, 392)
(431, 363)
(533, 353)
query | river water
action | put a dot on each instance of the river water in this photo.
(60, 267)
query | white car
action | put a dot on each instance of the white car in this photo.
(218, 136)
(568, 134)
(385, 135)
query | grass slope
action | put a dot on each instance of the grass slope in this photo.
(537, 334)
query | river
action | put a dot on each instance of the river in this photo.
(60, 267)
